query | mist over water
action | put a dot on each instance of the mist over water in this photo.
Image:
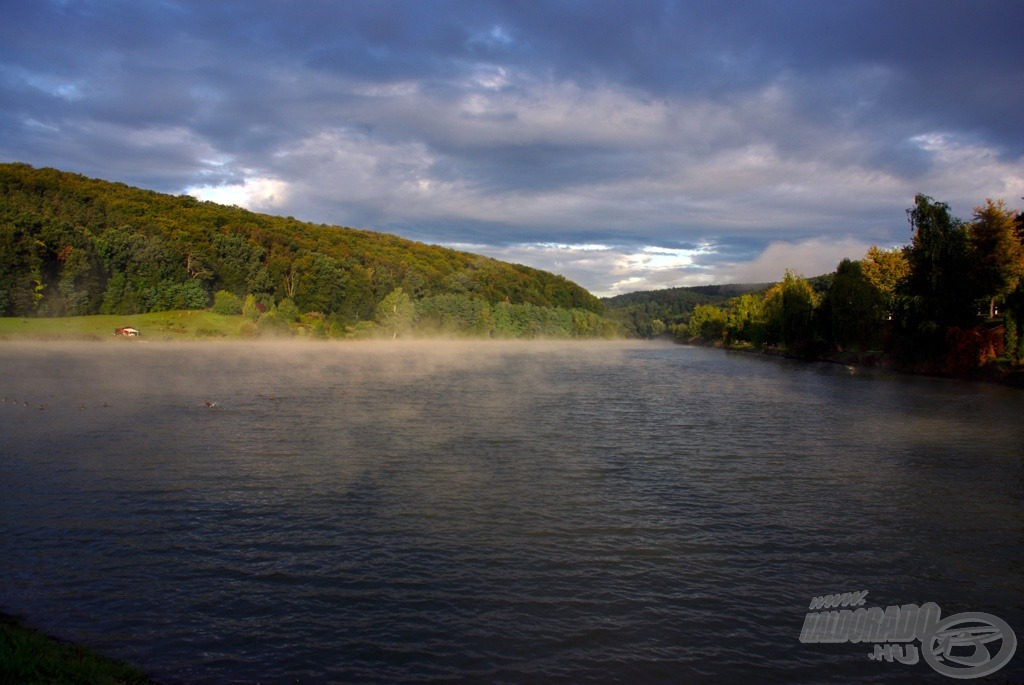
(494, 512)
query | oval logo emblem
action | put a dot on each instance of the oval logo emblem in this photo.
(961, 645)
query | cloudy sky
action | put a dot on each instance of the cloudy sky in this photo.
(627, 145)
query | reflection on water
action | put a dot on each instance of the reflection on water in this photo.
(494, 512)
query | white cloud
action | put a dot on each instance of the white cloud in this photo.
(257, 194)
(653, 258)
(605, 270)
(964, 173)
(612, 270)
(811, 257)
(491, 77)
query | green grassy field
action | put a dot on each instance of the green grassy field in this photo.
(173, 325)
(28, 657)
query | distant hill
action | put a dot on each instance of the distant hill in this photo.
(638, 311)
(71, 245)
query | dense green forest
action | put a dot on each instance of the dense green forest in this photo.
(71, 245)
(950, 302)
(649, 313)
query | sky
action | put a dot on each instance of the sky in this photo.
(627, 145)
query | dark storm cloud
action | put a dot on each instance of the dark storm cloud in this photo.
(579, 136)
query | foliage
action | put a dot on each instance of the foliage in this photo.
(638, 312)
(226, 303)
(932, 304)
(452, 314)
(248, 329)
(937, 293)
(250, 309)
(1014, 317)
(887, 271)
(971, 348)
(747, 320)
(708, 323)
(789, 311)
(998, 256)
(72, 245)
(395, 313)
(852, 309)
(272, 324)
(287, 310)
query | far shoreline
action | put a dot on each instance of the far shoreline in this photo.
(207, 326)
(881, 362)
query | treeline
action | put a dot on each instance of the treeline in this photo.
(648, 314)
(952, 301)
(70, 245)
(398, 315)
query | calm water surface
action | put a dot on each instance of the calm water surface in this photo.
(495, 512)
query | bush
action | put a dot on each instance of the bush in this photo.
(248, 329)
(707, 323)
(250, 310)
(287, 310)
(226, 303)
(273, 323)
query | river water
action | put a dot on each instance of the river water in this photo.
(495, 512)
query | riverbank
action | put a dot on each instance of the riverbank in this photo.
(170, 325)
(30, 657)
(995, 373)
(520, 322)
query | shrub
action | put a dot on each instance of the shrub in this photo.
(226, 303)
(248, 329)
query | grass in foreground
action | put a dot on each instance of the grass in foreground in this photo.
(28, 657)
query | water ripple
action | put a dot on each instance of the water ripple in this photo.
(503, 513)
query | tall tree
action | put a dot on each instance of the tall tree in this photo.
(1014, 336)
(317, 283)
(708, 323)
(852, 307)
(887, 270)
(789, 311)
(938, 291)
(998, 255)
(395, 313)
(747, 320)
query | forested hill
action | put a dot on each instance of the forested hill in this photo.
(71, 245)
(649, 313)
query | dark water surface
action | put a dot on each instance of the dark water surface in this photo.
(495, 512)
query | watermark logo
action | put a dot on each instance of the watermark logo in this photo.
(958, 646)
(967, 645)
